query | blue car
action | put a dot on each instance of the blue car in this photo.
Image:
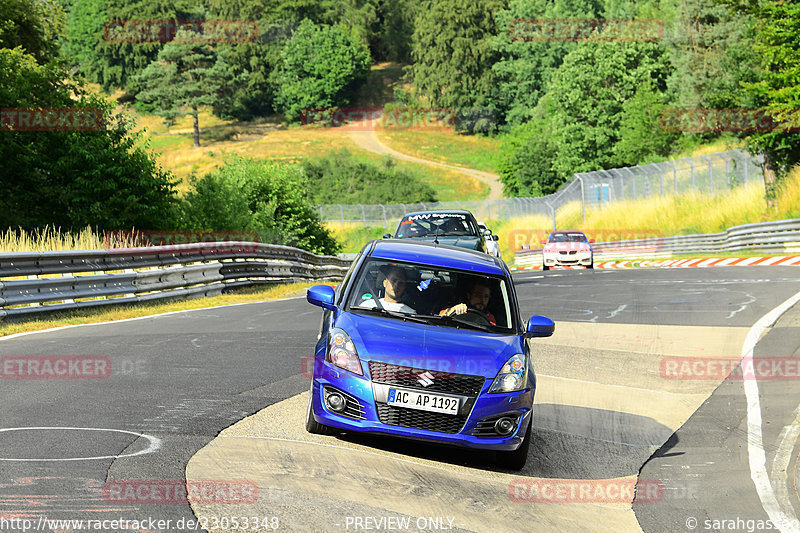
(425, 341)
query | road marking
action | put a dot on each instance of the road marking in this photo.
(617, 311)
(780, 464)
(755, 440)
(154, 444)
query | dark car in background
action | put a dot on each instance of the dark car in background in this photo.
(451, 227)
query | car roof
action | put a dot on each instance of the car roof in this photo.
(567, 232)
(443, 211)
(441, 255)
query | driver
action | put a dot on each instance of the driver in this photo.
(478, 295)
(394, 286)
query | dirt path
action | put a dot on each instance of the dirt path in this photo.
(368, 140)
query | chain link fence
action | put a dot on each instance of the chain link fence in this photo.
(712, 174)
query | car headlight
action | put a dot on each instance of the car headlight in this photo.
(513, 376)
(342, 352)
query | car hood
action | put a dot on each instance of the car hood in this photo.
(429, 347)
(464, 241)
(567, 247)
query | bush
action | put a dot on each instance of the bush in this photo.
(320, 67)
(341, 178)
(266, 198)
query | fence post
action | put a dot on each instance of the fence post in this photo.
(385, 222)
(674, 174)
(633, 179)
(583, 202)
(710, 175)
(727, 169)
(691, 166)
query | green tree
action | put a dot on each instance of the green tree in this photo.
(527, 155)
(268, 199)
(642, 136)
(85, 24)
(588, 93)
(320, 68)
(105, 179)
(777, 89)
(186, 75)
(35, 25)
(525, 66)
(121, 53)
(452, 53)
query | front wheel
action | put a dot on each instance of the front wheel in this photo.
(590, 265)
(545, 267)
(312, 426)
(516, 460)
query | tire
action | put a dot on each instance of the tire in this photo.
(590, 265)
(312, 426)
(545, 267)
(516, 460)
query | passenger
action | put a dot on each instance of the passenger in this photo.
(394, 286)
(478, 295)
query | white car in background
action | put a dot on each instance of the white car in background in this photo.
(567, 248)
(492, 246)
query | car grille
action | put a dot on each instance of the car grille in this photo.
(405, 376)
(411, 418)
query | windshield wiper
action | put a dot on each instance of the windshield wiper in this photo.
(454, 320)
(395, 314)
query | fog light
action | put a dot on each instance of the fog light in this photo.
(335, 402)
(505, 425)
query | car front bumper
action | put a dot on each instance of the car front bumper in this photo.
(559, 259)
(486, 407)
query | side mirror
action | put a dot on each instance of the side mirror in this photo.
(540, 326)
(487, 232)
(543, 242)
(591, 240)
(321, 295)
(495, 238)
(387, 235)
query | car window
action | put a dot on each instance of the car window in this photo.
(422, 291)
(429, 224)
(567, 237)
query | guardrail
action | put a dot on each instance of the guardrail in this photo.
(41, 282)
(763, 237)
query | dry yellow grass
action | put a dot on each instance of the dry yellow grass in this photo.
(51, 238)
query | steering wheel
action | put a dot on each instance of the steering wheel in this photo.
(475, 316)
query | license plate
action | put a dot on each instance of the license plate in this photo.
(423, 401)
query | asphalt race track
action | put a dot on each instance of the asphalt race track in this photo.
(617, 411)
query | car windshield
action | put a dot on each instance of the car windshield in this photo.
(567, 237)
(428, 224)
(425, 293)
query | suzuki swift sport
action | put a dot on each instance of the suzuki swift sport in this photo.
(425, 341)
